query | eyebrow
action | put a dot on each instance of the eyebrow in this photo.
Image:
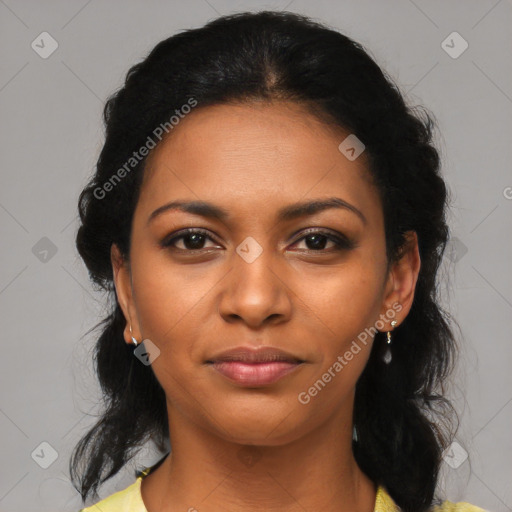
(290, 212)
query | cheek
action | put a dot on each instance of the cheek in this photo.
(167, 295)
(346, 306)
(167, 303)
(346, 299)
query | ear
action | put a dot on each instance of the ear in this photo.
(401, 282)
(123, 285)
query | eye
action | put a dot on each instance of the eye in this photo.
(193, 240)
(317, 239)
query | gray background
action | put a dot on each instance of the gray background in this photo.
(51, 135)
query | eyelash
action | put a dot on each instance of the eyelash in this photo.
(341, 243)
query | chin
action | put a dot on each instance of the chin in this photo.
(254, 428)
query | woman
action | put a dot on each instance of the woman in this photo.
(269, 217)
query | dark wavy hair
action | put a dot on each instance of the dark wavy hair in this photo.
(403, 420)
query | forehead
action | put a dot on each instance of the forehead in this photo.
(254, 156)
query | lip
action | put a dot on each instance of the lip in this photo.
(254, 355)
(254, 367)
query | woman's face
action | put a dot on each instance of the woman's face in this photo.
(253, 278)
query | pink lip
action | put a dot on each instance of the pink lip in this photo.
(251, 366)
(254, 374)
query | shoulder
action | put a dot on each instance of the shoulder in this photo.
(461, 506)
(384, 503)
(129, 499)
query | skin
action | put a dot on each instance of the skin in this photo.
(254, 159)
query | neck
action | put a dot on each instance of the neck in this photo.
(206, 472)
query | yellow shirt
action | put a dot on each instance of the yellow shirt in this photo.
(130, 500)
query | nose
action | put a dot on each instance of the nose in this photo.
(255, 292)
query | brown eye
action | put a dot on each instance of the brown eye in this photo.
(316, 241)
(193, 240)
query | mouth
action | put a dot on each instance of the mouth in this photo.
(251, 367)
